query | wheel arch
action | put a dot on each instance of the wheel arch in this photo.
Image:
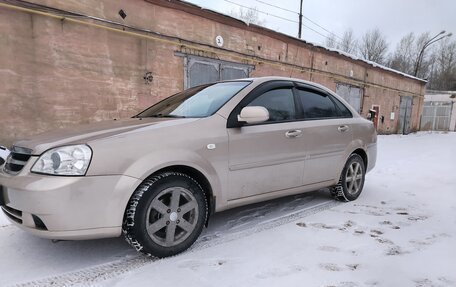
(196, 175)
(199, 177)
(362, 153)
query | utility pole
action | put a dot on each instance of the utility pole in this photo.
(300, 21)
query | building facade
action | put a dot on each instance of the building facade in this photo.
(66, 62)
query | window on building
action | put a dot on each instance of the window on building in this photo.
(201, 71)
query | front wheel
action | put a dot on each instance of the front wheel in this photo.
(165, 215)
(351, 181)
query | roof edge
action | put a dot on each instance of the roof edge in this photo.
(235, 22)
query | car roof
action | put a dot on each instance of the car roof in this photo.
(259, 80)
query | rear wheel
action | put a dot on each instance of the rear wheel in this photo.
(351, 181)
(165, 215)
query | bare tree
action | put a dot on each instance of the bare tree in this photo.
(404, 56)
(347, 43)
(373, 46)
(443, 73)
(331, 42)
(250, 16)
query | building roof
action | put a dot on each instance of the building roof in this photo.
(270, 31)
(440, 96)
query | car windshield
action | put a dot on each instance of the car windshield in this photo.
(198, 102)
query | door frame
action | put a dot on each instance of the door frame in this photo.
(377, 115)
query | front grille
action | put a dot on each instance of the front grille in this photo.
(16, 216)
(13, 214)
(17, 159)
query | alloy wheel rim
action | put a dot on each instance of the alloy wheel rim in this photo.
(172, 216)
(354, 177)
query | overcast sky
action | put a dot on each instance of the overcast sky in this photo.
(394, 18)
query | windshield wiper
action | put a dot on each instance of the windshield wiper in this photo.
(165, 116)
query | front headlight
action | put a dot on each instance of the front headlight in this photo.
(67, 160)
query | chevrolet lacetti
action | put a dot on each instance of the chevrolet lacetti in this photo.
(157, 178)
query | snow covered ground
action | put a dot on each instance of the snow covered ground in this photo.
(400, 232)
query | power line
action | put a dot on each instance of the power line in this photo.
(259, 11)
(278, 7)
(282, 18)
(315, 23)
(294, 12)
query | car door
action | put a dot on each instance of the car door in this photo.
(266, 157)
(327, 134)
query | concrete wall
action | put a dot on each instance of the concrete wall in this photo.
(56, 73)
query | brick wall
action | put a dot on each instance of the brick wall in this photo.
(56, 73)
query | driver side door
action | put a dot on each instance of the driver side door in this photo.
(267, 157)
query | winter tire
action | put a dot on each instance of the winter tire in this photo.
(165, 214)
(351, 181)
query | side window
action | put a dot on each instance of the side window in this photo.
(343, 110)
(317, 106)
(279, 103)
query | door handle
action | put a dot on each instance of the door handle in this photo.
(293, 134)
(343, 128)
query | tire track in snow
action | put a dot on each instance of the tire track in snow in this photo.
(99, 273)
(215, 239)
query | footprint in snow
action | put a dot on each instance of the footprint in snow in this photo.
(324, 226)
(421, 243)
(346, 284)
(395, 250)
(330, 267)
(336, 268)
(417, 218)
(387, 222)
(280, 272)
(329, 248)
(196, 264)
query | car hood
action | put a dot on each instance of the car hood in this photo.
(90, 132)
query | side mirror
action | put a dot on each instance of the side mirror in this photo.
(253, 115)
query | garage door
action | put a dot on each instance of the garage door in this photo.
(352, 94)
(201, 70)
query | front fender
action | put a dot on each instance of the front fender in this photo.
(153, 162)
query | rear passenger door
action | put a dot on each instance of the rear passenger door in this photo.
(327, 133)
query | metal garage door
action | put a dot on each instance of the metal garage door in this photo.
(405, 115)
(436, 116)
(352, 94)
(201, 70)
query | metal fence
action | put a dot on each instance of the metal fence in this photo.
(436, 116)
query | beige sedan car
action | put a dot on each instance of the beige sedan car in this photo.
(158, 177)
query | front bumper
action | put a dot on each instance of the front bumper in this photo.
(66, 207)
